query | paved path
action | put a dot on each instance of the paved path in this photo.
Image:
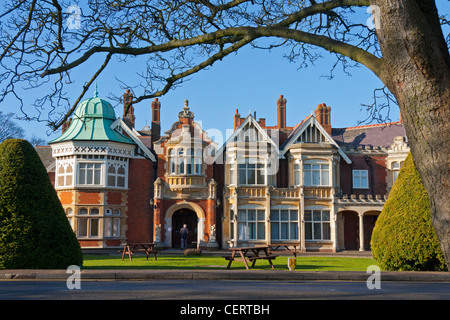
(276, 275)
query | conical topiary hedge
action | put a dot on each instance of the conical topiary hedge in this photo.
(403, 237)
(34, 231)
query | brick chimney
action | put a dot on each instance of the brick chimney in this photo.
(323, 116)
(236, 120)
(281, 112)
(128, 110)
(66, 125)
(156, 121)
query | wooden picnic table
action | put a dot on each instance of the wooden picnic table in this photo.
(130, 248)
(286, 245)
(254, 255)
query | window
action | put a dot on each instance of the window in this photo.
(231, 224)
(395, 170)
(316, 173)
(284, 224)
(89, 173)
(88, 223)
(296, 174)
(360, 179)
(65, 175)
(172, 162)
(198, 161)
(251, 173)
(181, 162)
(317, 224)
(190, 162)
(111, 227)
(251, 224)
(116, 175)
(69, 213)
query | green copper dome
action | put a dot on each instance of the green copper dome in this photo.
(92, 122)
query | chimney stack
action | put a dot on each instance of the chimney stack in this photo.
(323, 116)
(66, 125)
(128, 110)
(281, 112)
(156, 121)
(236, 120)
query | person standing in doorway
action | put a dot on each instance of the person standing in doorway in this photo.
(184, 234)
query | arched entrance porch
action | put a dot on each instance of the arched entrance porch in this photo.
(178, 214)
(184, 217)
(356, 229)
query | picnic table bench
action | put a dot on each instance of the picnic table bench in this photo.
(130, 248)
(244, 256)
(276, 246)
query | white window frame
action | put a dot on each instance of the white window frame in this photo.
(63, 173)
(317, 224)
(357, 179)
(111, 223)
(250, 166)
(395, 168)
(91, 220)
(185, 161)
(116, 175)
(281, 218)
(251, 224)
(86, 163)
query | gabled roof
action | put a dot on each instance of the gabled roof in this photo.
(133, 134)
(297, 132)
(248, 120)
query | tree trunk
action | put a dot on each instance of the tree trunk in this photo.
(416, 69)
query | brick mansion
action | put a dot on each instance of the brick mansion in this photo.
(312, 184)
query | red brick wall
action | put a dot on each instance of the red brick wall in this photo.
(89, 197)
(114, 198)
(376, 167)
(140, 191)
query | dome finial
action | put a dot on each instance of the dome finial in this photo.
(95, 92)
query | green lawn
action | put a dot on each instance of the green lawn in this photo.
(217, 262)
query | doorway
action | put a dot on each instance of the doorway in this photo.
(179, 218)
(351, 231)
(369, 224)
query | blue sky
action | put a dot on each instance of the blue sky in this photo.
(251, 80)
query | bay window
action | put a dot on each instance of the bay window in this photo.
(315, 173)
(116, 175)
(251, 224)
(89, 173)
(183, 161)
(251, 172)
(317, 224)
(284, 224)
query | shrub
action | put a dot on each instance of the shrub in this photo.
(403, 237)
(34, 230)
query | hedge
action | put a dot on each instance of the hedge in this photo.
(34, 230)
(403, 237)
